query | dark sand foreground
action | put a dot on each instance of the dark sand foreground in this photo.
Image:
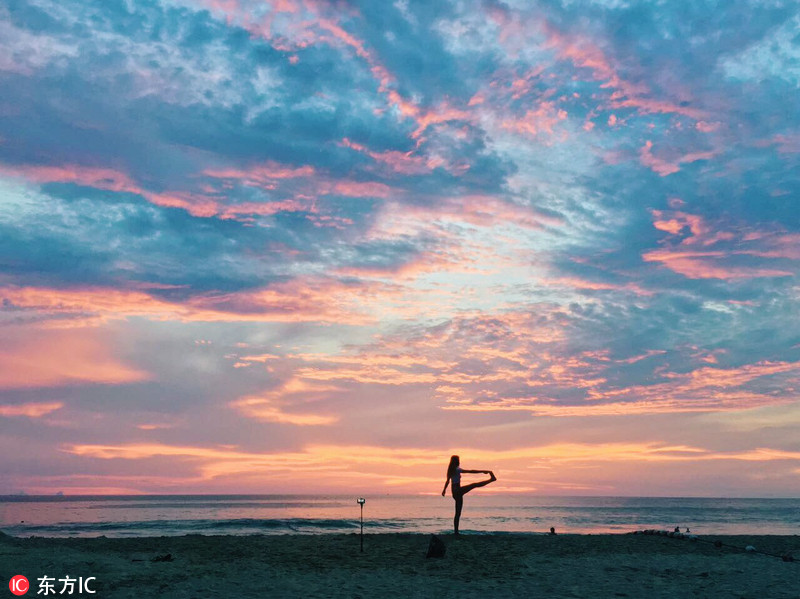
(595, 566)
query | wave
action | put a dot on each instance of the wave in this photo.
(307, 514)
(218, 505)
(211, 526)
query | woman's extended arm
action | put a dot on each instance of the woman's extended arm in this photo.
(476, 471)
(447, 482)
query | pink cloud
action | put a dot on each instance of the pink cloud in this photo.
(787, 144)
(236, 211)
(262, 174)
(224, 6)
(653, 106)
(434, 116)
(356, 189)
(577, 283)
(705, 265)
(326, 27)
(100, 178)
(400, 162)
(310, 184)
(534, 122)
(584, 53)
(723, 247)
(665, 167)
(523, 85)
(706, 389)
(323, 24)
(648, 354)
(453, 254)
(195, 204)
(707, 127)
(775, 245)
(476, 210)
(676, 222)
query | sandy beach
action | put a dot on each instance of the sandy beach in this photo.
(395, 565)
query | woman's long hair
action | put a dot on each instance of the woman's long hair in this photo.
(451, 468)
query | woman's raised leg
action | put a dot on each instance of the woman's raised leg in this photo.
(467, 488)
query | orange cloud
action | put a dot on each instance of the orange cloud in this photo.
(56, 357)
(420, 469)
(30, 410)
(276, 405)
(153, 427)
(633, 407)
(315, 455)
(501, 351)
(306, 300)
(734, 377)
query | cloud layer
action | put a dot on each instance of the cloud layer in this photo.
(243, 237)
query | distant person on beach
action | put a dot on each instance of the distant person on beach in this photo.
(454, 472)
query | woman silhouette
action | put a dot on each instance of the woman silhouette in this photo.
(454, 472)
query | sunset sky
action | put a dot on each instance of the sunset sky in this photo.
(254, 246)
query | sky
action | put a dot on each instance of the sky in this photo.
(310, 246)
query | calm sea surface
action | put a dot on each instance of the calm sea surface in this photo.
(132, 516)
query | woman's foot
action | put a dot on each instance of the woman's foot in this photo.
(492, 477)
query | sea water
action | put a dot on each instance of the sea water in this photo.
(154, 515)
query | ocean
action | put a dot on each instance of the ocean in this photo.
(155, 515)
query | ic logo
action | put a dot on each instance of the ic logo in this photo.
(19, 585)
